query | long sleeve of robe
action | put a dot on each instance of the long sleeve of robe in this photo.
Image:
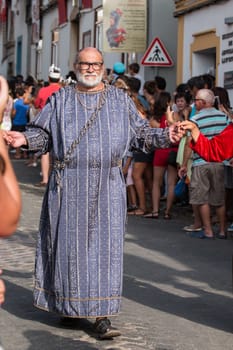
(216, 149)
(79, 256)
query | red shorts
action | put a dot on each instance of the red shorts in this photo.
(161, 156)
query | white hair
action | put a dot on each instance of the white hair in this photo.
(206, 95)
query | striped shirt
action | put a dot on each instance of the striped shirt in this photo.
(211, 122)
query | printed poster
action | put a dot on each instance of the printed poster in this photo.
(124, 25)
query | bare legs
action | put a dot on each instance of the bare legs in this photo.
(206, 219)
(158, 175)
(171, 182)
(141, 173)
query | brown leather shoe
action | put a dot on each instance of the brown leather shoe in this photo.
(105, 330)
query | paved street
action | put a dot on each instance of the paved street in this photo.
(177, 289)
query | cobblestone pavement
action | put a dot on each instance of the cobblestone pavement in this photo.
(177, 290)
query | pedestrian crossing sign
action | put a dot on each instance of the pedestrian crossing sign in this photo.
(156, 55)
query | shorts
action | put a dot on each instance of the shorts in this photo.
(206, 185)
(141, 157)
(161, 156)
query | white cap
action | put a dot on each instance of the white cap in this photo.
(54, 72)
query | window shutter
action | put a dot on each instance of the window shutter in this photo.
(62, 11)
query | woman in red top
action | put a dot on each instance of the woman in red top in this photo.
(160, 162)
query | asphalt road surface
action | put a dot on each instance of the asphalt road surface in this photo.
(177, 290)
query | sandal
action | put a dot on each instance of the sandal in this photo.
(16, 156)
(167, 216)
(132, 208)
(152, 215)
(192, 228)
(221, 235)
(137, 212)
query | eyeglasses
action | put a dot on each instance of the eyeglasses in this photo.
(86, 65)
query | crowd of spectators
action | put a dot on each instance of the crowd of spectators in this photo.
(151, 178)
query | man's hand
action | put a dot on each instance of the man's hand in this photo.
(188, 125)
(176, 132)
(192, 127)
(182, 171)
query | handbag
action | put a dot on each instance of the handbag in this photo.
(181, 189)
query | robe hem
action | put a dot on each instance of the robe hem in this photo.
(78, 316)
(115, 297)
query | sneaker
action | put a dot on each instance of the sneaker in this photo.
(230, 228)
(105, 330)
(190, 228)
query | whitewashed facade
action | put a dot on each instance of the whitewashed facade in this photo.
(205, 42)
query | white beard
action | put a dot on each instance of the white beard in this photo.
(82, 79)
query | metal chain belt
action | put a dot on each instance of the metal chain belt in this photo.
(61, 164)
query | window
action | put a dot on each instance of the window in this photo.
(62, 11)
(85, 4)
(55, 43)
(19, 55)
(87, 39)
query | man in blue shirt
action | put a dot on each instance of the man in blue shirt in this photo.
(20, 116)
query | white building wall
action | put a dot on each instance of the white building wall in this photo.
(3, 65)
(162, 24)
(20, 31)
(64, 53)
(49, 22)
(62, 46)
(204, 19)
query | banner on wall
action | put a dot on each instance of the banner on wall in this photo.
(3, 11)
(124, 25)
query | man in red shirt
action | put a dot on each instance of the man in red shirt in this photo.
(40, 101)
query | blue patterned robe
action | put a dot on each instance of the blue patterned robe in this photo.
(79, 255)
